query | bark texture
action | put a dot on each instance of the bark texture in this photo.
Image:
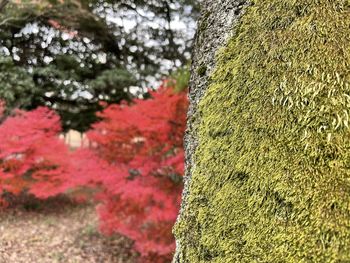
(215, 27)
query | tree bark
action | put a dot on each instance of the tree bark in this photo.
(215, 27)
(267, 143)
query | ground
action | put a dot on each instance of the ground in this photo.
(58, 232)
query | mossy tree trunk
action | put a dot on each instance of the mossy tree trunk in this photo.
(268, 139)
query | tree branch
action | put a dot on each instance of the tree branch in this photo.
(3, 3)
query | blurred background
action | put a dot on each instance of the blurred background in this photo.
(69, 55)
(93, 101)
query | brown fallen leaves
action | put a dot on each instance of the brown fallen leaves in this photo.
(66, 233)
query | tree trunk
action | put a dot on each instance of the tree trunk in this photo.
(267, 144)
(3, 3)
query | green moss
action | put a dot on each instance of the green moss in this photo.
(271, 180)
(201, 70)
(204, 21)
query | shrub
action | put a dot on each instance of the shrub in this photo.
(32, 158)
(135, 165)
(143, 141)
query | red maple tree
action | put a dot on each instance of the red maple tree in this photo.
(32, 157)
(136, 162)
(144, 143)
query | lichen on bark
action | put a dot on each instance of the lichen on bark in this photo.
(270, 178)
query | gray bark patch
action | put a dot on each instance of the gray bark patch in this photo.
(215, 27)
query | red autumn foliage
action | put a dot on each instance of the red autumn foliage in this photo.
(55, 24)
(144, 143)
(33, 159)
(136, 163)
(31, 155)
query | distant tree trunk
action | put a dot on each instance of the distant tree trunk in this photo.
(3, 3)
(267, 144)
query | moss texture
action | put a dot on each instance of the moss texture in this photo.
(271, 181)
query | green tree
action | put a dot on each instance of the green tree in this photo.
(80, 52)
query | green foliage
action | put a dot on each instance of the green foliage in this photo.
(180, 78)
(112, 83)
(271, 176)
(16, 84)
(78, 52)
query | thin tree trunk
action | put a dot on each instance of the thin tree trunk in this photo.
(3, 4)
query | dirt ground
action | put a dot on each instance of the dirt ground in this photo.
(58, 232)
